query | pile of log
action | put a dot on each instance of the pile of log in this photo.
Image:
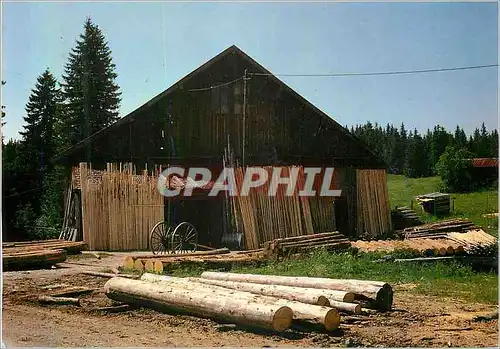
(37, 254)
(263, 301)
(404, 217)
(437, 204)
(70, 247)
(306, 243)
(219, 258)
(424, 247)
(439, 229)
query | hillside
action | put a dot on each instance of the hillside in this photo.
(471, 205)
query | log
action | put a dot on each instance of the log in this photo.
(108, 275)
(162, 297)
(33, 259)
(378, 293)
(299, 294)
(73, 291)
(328, 317)
(346, 307)
(218, 251)
(158, 267)
(113, 309)
(305, 237)
(58, 300)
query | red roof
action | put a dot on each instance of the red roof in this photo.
(485, 162)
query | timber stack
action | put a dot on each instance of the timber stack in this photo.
(404, 217)
(439, 229)
(306, 243)
(263, 301)
(219, 258)
(37, 254)
(424, 247)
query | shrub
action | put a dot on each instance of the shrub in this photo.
(452, 168)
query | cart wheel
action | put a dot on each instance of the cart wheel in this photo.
(160, 238)
(184, 238)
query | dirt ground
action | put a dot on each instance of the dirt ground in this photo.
(419, 321)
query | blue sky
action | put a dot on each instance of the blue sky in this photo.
(155, 44)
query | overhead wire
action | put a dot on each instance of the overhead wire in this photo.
(381, 73)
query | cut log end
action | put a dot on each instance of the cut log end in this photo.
(323, 301)
(149, 266)
(385, 297)
(332, 320)
(158, 267)
(282, 319)
(349, 297)
(138, 265)
(128, 263)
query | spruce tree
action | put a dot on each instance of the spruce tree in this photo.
(92, 97)
(38, 130)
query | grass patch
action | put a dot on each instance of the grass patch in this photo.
(471, 206)
(450, 279)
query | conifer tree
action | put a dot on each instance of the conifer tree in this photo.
(92, 96)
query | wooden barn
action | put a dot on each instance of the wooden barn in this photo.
(231, 110)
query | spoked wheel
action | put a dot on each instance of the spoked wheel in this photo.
(184, 238)
(160, 238)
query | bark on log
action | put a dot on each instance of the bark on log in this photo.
(299, 294)
(165, 298)
(58, 300)
(379, 294)
(328, 317)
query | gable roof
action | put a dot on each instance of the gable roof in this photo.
(178, 85)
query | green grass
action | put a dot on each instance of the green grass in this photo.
(471, 206)
(450, 279)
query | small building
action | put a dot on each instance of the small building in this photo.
(233, 105)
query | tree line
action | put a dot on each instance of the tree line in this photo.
(59, 114)
(417, 155)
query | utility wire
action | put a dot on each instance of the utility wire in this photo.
(216, 86)
(383, 73)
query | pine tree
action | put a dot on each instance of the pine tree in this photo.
(38, 130)
(460, 138)
(92, 97)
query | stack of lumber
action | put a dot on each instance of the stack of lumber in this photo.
(404, 217)
(37, 254)
(437, 204)
(425, 247)
(276, 303)
(373, 211)
(23, 260)
(476, 242)
(439, 229)
(70, 247)
(220, 258)
(306, 243)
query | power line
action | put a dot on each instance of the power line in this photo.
(24, 192)
(383, 73)
(216, 86)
